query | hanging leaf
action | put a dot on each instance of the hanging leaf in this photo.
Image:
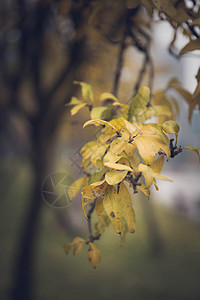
(127, 208)
(112, 206)
(94, 255)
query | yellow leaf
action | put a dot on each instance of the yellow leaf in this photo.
(118, 145)
(86, 90)
(139, 102)
(117, 166)
(78, 244)
(144, 190)
(145, 169)
(76, 108)
(156, 110)
(84, 202)
(124, 232)
(99, 207)
(114, 176)
(76, 186)
(96, 112)
(158, 164)
(111, 157)
(127, 208)
(97, 176)
(196, 150)
(112, 206)
(171, 127)
(148, 146)
(67, 248)
(99, 122)
(105, 96)
(98, 153)
(191, 46)
(94, 255)
(74, 101)
(118, 123)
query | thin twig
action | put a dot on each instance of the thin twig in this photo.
(89, 216)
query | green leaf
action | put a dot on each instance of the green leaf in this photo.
(196, 150)
(139, 102)
(96, 112)
(114, 176)
(86, 88)
(171, 127)
(127, 208)
(76, 108)
(112, 206)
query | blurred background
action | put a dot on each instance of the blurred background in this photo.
(45, 46)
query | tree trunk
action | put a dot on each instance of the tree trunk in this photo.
(23, 269)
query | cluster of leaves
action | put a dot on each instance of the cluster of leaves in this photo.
(129, 153)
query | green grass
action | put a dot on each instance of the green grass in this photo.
(131, 272)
